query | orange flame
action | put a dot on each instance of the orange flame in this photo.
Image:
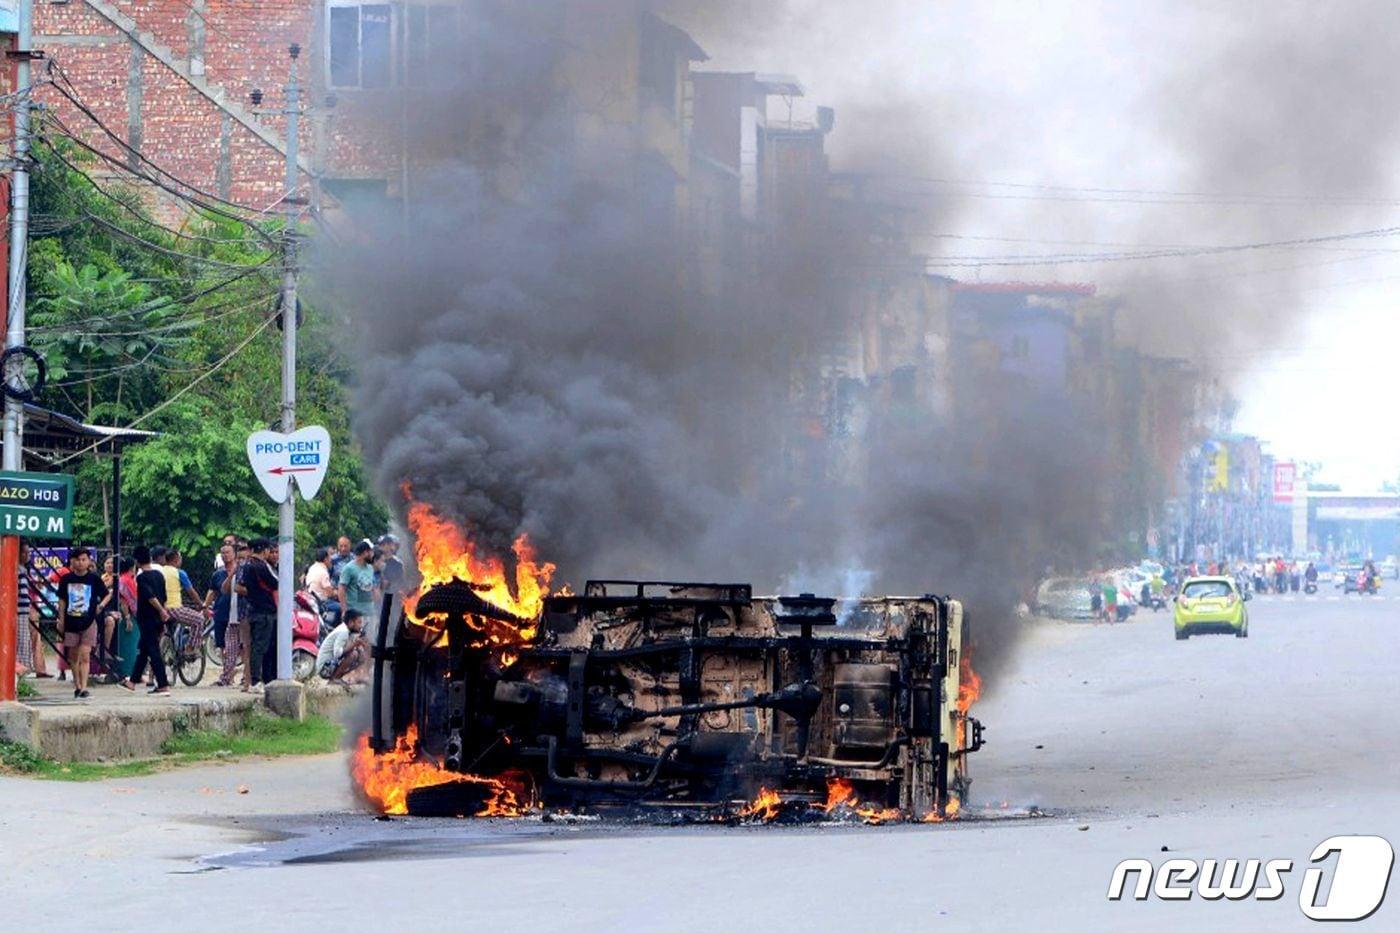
(766, 806)
(969, 684)
(444, 553)
(842, 794)
(387, 778)
(969, 689)
(950, 812)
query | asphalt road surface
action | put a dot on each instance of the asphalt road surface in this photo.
(1127, 740)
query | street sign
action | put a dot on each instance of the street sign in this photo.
(1285, 478)
(36, 505)
(279, 458)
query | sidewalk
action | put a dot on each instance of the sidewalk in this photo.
(115, 723)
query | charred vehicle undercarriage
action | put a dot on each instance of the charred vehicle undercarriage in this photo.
(679, 695)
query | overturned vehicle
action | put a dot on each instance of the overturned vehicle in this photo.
(678, 697)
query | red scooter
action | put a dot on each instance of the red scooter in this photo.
(306, 636)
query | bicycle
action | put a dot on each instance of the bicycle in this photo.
(212, 651)
(183, 650)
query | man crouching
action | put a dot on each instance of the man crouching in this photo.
(344, 652)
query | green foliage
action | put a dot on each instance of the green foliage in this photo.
(191, 485)
(128, 313)
(19, 758)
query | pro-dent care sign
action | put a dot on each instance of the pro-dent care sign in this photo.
(279, 458)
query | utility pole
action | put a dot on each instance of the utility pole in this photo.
(287, 511)
(14, 337)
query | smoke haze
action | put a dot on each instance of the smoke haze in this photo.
(532, 365)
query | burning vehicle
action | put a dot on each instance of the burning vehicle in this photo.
(691, 698)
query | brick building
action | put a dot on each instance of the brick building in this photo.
(175, 79)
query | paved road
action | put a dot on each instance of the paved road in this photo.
(1214, 748)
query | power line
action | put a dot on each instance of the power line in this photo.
(1379, 232)
(123, 204)
(192, 193)
(1139, 195)
(267, 322)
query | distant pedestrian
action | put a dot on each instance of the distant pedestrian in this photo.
(218, 600)
(230, 541)
(151, 616)
(82, 601)
(257, 583)
(391, 576)
(1110, 600)
(28, 652)
(343, 653)
(320, 583)
(54, 579)
(342, 556)
(128, 635)
(357, 589)
(236, 638)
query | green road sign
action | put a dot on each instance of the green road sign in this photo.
(36, 505)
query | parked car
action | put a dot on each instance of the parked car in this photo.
(1064, 598)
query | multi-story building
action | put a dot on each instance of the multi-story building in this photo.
(197, 85)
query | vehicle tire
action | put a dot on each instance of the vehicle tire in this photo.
(1182, 635)
(303, 665)
(1243, 633)
(192, 663)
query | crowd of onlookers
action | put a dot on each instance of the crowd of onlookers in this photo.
(117, 615)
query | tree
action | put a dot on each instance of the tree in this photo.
(170, 325)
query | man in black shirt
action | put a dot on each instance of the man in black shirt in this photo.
(257, 583)
(81, 598)
(150, 619)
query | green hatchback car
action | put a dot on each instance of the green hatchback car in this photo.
(1210, 605)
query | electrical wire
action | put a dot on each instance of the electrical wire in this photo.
(124, 205)
(1376, 233)
(173, 398)
(191, 194)
(1137, 195)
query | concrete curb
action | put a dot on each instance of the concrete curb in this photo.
(95, 732)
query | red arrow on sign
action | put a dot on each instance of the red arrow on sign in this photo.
(278, 471)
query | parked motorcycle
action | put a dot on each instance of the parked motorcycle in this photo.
(306, 636)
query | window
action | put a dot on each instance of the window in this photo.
(360, 37)
(374, 45)
(429, 44)
(1207, 589)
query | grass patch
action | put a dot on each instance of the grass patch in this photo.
(24, 690)
(263, 735)
(266, 736)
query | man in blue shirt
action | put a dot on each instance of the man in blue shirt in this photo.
(215, 596)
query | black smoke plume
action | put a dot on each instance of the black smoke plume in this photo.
(537, 361)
